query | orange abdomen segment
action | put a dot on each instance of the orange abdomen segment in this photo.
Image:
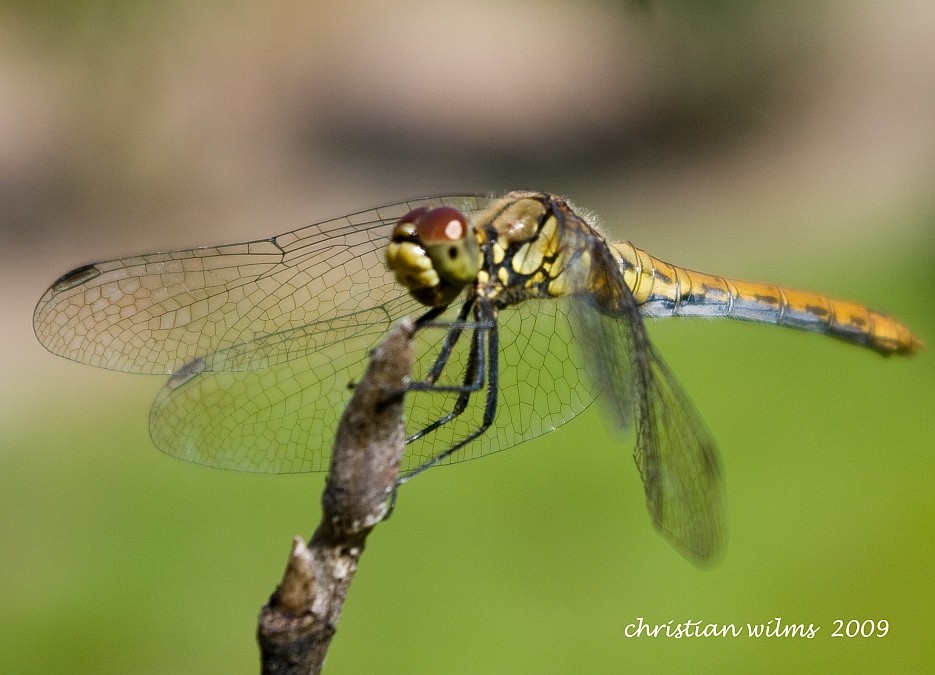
(664, 290)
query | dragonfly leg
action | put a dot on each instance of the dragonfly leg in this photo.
(454, 333)
(394, 493)
(474, 379)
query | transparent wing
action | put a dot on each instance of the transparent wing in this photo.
(277, 417)
(678, 461)
(280, 415)
(675, 453)
(156, 313)
(541, 385)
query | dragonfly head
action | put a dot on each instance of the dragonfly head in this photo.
(434, 253)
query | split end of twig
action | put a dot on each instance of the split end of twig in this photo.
(297, 589)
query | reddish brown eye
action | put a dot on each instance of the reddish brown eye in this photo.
(441, 224)
(413, 215)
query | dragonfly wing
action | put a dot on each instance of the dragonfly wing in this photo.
(678, 461)
(540, 384)
(276, 417)
(272, 405)
(675, 453)
(156, 313)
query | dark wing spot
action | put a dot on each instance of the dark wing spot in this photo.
(186, 373)
(75, 278)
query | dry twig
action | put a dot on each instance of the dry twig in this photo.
(300, 618)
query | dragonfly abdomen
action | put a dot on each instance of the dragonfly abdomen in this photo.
(664, 290)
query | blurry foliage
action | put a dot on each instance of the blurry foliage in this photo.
(63, 17)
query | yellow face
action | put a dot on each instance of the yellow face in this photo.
(434, 253)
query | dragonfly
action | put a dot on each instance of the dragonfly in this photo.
(527, 315)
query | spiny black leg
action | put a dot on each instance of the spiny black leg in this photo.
(451, 338)
(473, 380)
(486, 319)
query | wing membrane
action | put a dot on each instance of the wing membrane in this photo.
(675, 454)
(678, 461)
(155, 313)
(280, 418)
(542, 385)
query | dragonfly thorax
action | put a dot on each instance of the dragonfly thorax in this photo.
(536, 248)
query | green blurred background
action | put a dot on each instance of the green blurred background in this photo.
(793, 144)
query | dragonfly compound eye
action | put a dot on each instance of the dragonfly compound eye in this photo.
(450, 242)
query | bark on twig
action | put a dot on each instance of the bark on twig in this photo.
(300, 618)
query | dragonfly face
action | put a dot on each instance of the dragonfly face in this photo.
(522, 248)
(434, 253)
(539, 315)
